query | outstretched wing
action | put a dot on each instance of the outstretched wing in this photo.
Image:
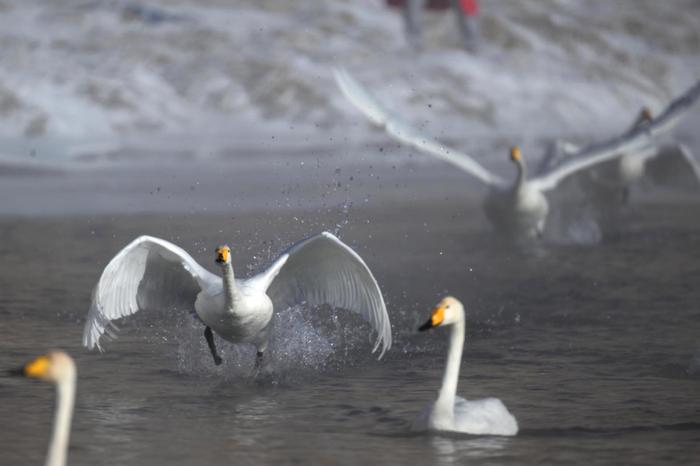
(674, 166)
(148, 274)
(406, 134)
(324, 270)
(636, 139)
(557, 152)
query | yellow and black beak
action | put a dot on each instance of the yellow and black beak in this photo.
(515, 154)
(436, 318)
(223, 254)
(36, 369)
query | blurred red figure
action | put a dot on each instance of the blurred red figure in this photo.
(466, 12)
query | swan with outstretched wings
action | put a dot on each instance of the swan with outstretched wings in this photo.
(153, 274)
(670, 165)
(520, 208)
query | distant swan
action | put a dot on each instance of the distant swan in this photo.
(59, 368)
(670, 165)
(153, 274)
(518, 209)
(449, 412)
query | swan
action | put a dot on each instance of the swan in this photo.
(56, 367)
(451, 413)
(153, 274)
(520, 208)
(671, 165)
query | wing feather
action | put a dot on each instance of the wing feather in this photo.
(148, 274)
(324, 270)
(406, 134)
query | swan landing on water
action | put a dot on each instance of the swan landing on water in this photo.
(451, 413)
(56, 367)
(154, 274)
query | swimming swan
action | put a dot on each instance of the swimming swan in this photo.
(449, 412)
(516, 209)
(59, 368)
(151, 273)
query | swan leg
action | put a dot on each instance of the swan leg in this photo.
(625, 195)
(258, 364)
(209, 335)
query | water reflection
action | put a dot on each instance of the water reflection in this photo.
(455, 449)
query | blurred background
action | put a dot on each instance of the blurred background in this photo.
(86, 84)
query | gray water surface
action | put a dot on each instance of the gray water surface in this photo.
(594, 348)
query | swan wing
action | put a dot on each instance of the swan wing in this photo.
(148, 274)
(401, 131)
(488, 416)
(635, 139)
(324, 270)
(674, 166)
(557, 151)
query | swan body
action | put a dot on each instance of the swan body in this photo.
(487, 416)
(153, 274)
(58, 368)
(451, 413)
(244, 322)
(517, 209)
(520, 210)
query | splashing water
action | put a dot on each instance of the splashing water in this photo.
(302, 340)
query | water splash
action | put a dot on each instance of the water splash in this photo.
(302, 341)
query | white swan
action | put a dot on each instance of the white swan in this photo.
(59, 368)
(520, 208)
(669, 165)
(151, 273)
(449, 412)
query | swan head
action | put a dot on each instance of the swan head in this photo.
(447, 312)
(54, 366)
(516, 154)
(223, 255)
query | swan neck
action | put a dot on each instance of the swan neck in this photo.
(230, 291)
(522, 174)
(448, 391)
(65, 398)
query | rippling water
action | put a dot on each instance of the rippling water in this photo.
(594, 349)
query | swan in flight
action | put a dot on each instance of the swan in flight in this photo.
(672, 165)
(520, 208)
(449, 412)
(56, 367)
(154, 274)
